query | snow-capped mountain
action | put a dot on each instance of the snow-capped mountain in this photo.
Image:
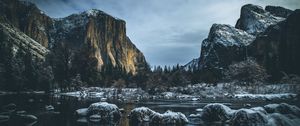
(224, 45)
(269, 35)
(254, 19)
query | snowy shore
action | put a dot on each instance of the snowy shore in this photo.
(194, 92)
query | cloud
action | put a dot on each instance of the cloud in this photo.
(166, 31)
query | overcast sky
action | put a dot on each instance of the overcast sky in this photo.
(166, 31)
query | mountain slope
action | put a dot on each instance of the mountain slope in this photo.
(21, 42)
(27, 18)
(224, 45)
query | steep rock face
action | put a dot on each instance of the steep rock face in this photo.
(254, 19)
(21, 42)
(278, 47)
(28, 18)
(278, 11)
(21, 60)
(224, 45)
(270, 36)
(104, 35)
(100, 35)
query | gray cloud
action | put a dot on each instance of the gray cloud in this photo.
(166, 31)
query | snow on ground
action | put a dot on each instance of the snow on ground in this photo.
(125, 94)
(266, 96)
(194, 92)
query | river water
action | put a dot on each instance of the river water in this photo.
(65, 107)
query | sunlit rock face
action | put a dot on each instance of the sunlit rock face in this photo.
(102, 36)
(105, 37)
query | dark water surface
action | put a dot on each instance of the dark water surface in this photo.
(65, 107)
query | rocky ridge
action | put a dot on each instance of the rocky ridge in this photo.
(265, 34)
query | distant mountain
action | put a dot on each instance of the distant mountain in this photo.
(269, 35)
(85, 43)
(192, 64)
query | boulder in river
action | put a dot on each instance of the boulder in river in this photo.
(140, 115)
(283, 108)
(49, 108)
(100, 111)
(169, 118)
(277, 119)
(249, 117)
(216, 112)
(143, 115)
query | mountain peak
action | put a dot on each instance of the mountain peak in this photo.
(94, 12)
(252, 8)
(279, 11)
(254, 19)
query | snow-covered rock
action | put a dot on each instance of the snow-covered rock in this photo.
(140, 115)
(100, 111)
(260, 109)
(22, 42)
(169, 118)
(106, 110)
(274, 115)
(216, 112)
(81, 112)
(49, 108)
(283, 108)
(277, 119)
(254, 19)
(227, 35)
(278, 11)
(224, 45)
(249, 117)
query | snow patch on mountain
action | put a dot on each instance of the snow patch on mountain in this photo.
(254, 19)
(227, 35)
